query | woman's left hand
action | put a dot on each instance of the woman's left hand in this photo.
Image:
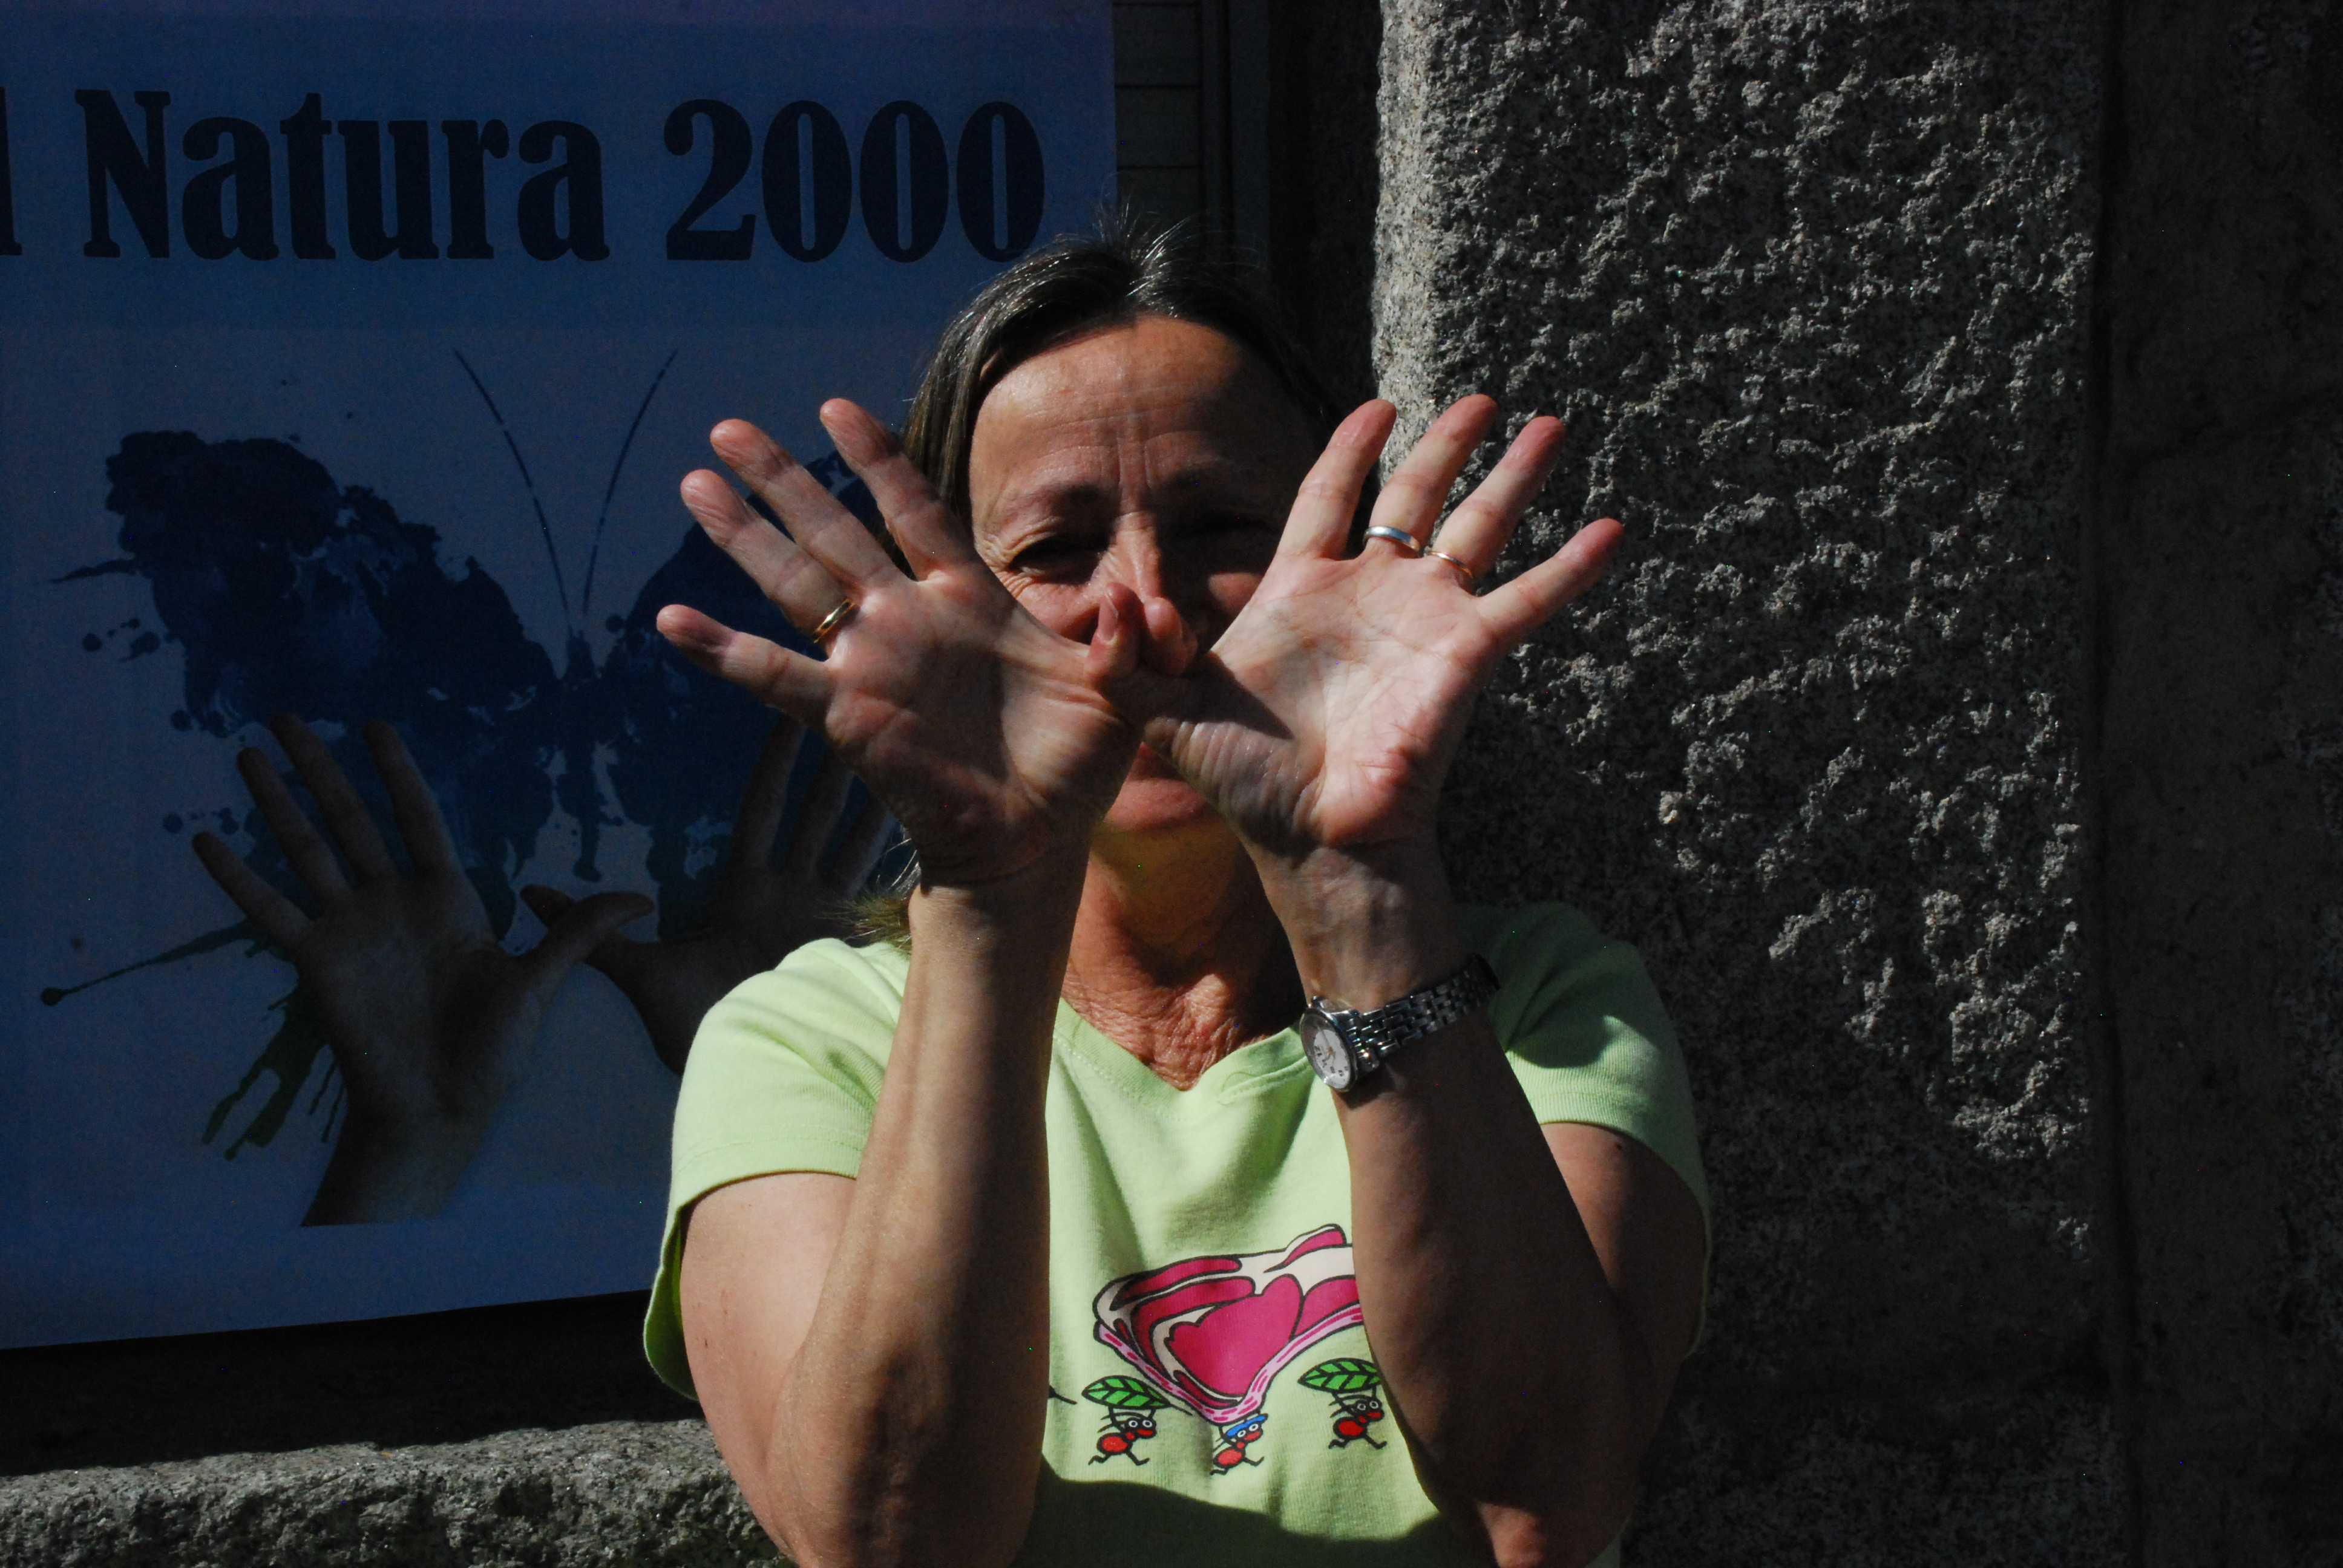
(1325, 717)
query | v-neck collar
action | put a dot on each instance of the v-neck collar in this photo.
(1265, 1066)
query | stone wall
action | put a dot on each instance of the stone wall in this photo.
(1808, 279)
(2220, 542)
(1962, 736)
(644, 1494)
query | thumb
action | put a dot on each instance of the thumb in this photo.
(575, 927)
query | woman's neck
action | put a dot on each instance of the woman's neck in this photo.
(1177, 956)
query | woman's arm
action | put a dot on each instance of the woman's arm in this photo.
(874, 1356)
(1526, 1331)
(1528, 1291)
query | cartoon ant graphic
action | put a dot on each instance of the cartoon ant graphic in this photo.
(1130, 1407)
(1351, 1383)
(1235, 1439)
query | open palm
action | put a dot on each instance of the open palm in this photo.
(1328, 712)
(983, 730)
(431, 1020)
(761, 909)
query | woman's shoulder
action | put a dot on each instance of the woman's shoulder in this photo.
(1534, 941)
(826, 974)
(1586, 1030)
(825, 997)
(1561, 973)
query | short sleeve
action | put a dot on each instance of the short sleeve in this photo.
(1588, 1036)
(783, 1076)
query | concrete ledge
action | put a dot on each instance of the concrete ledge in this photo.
(623, 1493)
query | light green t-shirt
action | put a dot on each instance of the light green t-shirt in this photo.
(1213, 1398)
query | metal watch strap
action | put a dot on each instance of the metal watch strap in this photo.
(1426, 1011)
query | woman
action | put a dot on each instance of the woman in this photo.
(1036, 1239)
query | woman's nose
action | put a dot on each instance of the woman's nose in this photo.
(1138, 561)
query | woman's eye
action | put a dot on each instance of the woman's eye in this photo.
(1056, 555)
(1236, 531)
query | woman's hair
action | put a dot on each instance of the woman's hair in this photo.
(1127, 267)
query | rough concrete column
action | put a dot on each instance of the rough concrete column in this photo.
(2221, 539)
(1808, 279)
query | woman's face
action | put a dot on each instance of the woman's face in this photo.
(1159, 455)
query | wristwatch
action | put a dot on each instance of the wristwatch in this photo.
(1345, 1045)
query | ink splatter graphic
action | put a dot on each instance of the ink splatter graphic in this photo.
(286, 590)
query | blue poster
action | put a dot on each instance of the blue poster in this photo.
(349, 358)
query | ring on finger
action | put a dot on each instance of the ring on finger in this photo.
(1466, 576)
(837, 618)
(1399, 536)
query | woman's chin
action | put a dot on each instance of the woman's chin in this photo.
(1153, 802)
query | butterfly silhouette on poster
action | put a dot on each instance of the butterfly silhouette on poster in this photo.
(288, 592)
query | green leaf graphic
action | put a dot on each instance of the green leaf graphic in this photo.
(1343, 1374)
(1124, 1393)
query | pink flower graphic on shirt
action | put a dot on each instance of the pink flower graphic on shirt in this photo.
(1213, 1332)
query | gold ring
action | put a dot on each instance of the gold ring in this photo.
(1464, 572)
(834, 620)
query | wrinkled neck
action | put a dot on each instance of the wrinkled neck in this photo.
(1177, 956)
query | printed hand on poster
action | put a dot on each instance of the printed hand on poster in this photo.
(758, 912)
(281, 590)
(430, 1020)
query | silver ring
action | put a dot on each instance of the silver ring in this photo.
(1399, 536)
(834, 620)
(1466, 573)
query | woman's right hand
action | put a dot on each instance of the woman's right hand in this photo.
(983, 730)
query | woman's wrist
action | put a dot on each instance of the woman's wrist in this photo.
(1367, 926)
(1050, 885)
(394, 1168)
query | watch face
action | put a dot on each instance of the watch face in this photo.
(1330, 1053)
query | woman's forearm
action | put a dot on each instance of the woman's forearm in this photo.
(1524, 1388)
(908, 1428)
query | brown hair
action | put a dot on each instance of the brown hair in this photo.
(1128, 267)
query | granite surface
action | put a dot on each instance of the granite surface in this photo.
(636, 1494)
(1809, 280)
(2222, 766)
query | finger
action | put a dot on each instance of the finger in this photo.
(1130, 663)
(800, 585)
(1520, 606)
(614, 955)
(766, 802)
(579, 930)
(311, 858)
(858, 854)
(922, 525)
(818, 817)
(420, 825)
(347, 821)
(1115, 637)
(1477, 531)
(273, 914)
(1412, 498)
(1320, 524)
(798, 686)
(817, 521)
